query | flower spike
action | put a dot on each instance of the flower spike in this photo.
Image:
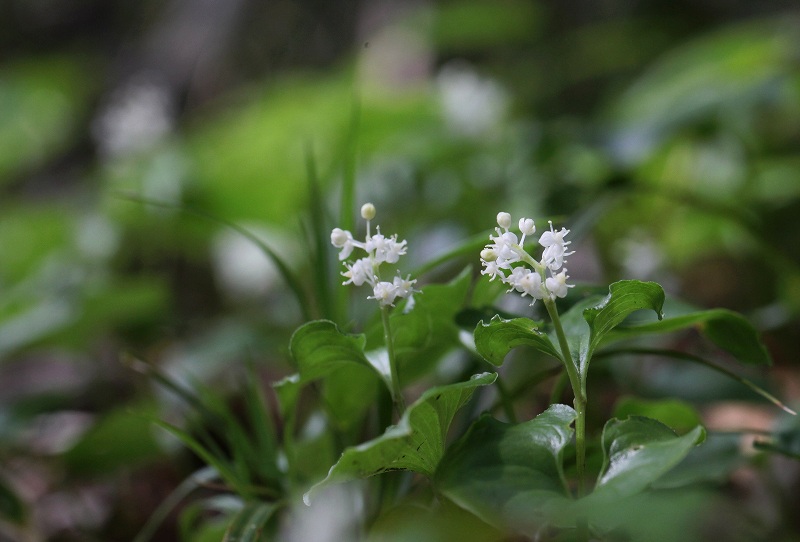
(366, 270)
(506, 259)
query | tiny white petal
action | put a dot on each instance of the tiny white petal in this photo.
(504, 220)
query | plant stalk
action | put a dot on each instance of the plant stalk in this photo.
(577, 390)
(397, 395)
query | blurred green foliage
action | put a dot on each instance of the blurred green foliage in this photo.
(669, 138)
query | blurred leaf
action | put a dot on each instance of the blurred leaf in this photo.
(785, 438)
(249, 524)
(497, 338)
(727, 329)
(120, 438)
(674, 413)
(416, 443)
(29, 236)
(227, 471)
(510, 475)
(474, 25)
(724, 73)
(41, 102)
(713, 462)
(12, 509)
(424, 334)
(637, 452)
(197, 479)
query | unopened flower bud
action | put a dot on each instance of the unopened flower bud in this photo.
(488, 255)
(526, 226)
(368, 211)
(504, 220)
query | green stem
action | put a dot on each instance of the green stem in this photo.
(674, 354)
(397, 395)
(578, 391)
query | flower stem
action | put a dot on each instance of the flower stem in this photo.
(577, 390)
(397, 395)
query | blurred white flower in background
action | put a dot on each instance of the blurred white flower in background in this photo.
(136, 117)
(473, 105)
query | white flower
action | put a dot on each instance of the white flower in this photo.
(379, 249)
(359, 272)
(515, 278)
(557, 285)
(505, 248)
(403, 287)
(531, 285)
(384, 292)
(342, 239)
(555, 247)
(386, 250)
(506, 258)
(491, 268)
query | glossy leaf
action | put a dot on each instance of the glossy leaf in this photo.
(510, 474)
(497, 338)
(248, 525)
(727, 329)
(638, 451)
(589, 321)
(320, 348)
(624, 297)
(416, 443)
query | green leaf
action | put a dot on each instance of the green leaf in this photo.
(497, 338)
(674, 413)
(712, 462)
(12, 508)
(637, 452)
(220, 464)
(510, 474)
(727, 329)
(624, 297)
(587, 322)
(319, 349)
(416, 443)
(120, 439)
(424, 334)
(248, 525)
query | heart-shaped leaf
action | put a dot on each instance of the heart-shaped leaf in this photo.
(624, 297)
(320, 348)
(416, 443)
(588, 322)
(497, 338)
(510, 475)
(638, 451)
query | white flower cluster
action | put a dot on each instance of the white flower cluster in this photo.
(379, 249)
(506, 259)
